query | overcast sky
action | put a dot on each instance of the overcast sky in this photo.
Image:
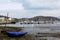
(30, 8)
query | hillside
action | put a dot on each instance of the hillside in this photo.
(40, 18)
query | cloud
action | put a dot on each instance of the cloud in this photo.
(30, 8)
(5, 1)
(43, 7)
(11, 6)
(42, 4)
(55, 13)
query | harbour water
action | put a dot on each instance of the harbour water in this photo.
(38, 28)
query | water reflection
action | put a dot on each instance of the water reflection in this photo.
(38, 28)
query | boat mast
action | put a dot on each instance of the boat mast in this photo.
(6, 19)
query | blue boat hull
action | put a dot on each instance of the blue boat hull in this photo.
(15, 33)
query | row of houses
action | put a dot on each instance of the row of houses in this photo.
(4, 19)
(34, 20)
(39, 20)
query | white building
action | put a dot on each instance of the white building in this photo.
(4, 19)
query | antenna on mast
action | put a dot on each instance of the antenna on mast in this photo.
(7, 14)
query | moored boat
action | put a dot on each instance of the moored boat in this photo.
(13, 33)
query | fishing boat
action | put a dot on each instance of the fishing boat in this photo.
(13, 33)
